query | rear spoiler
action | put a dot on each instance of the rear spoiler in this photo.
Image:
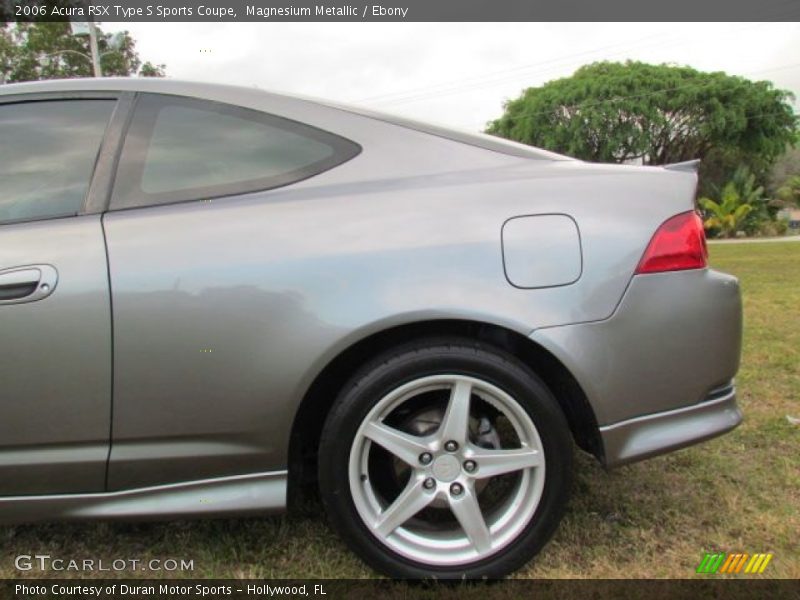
(689, 166)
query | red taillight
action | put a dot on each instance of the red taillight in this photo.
(679, 244)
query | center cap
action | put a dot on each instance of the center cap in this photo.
(446, 468)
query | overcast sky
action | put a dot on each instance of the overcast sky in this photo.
(456, 74)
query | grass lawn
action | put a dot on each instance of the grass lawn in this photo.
(740, 492)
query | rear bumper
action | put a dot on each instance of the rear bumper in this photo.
(658, 372)
(649, 435)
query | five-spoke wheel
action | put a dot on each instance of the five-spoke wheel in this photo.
(447, 468)
(445, 461)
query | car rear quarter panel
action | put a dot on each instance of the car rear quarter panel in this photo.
(674, 338)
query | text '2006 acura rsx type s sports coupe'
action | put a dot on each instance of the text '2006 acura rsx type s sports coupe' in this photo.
(215, 298)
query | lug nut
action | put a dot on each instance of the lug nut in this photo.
(451, 446)
(456, 489)
(470, 466)
(425, 458)
(429, 483)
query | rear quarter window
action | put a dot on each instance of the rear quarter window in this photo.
(181, 149)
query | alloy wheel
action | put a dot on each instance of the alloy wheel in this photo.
(447, 469)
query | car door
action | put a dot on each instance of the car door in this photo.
(55, 316)
(200, 318)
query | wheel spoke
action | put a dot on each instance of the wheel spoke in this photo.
(404, 446)
(468, 513)
(455, 424)
(492, 463)
(410, 501)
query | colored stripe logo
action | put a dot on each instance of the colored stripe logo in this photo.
(737, 562)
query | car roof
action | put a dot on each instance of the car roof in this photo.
(236, 94)
(122, 84)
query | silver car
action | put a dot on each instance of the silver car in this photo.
(215, 299)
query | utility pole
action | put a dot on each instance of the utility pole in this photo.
(98, 72)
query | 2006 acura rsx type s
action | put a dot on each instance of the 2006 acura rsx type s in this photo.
(214, 298)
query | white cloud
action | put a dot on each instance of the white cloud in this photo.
(457, 74)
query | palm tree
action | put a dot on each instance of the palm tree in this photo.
(729, 214)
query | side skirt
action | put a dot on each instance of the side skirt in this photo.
(257, 493)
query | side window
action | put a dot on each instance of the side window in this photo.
(47, 154)
(180, 149)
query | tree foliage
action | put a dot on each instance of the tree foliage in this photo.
(789, 192)
(39, 50)
(728, 215)
(786, 168)
(655, 114)
(752, 194)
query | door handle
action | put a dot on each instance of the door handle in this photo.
(27, 284)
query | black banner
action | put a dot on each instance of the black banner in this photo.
(653, 589)
(401, 10)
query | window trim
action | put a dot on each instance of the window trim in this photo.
(98, 197)
(98, 190)
(127, 192)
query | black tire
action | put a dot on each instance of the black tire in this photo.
(433, 357)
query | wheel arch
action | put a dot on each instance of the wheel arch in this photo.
(324, 389)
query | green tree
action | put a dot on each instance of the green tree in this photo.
(7, 50)
(785, 176)
(150, 70)
(789, 192)
(788, 164)
(39, 50)
(655, 114)
(752, 194)
(728, 215)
